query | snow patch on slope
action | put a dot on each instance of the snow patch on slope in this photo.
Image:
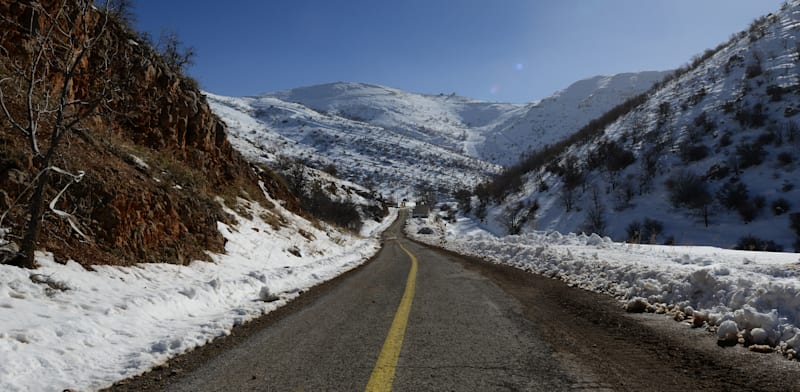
(400, 142)
(565, 112)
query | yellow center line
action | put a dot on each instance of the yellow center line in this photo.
(383, 373)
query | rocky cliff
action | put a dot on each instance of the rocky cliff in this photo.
(156, 158)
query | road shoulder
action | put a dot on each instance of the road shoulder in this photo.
(158, 378)
(607, 348)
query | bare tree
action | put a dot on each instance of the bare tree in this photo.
(649, 161)
(687, 189)
(39, 99)
(175, 53)
(595, 216)
(122, 10)
(464, 199)
(572, 175)
(568, 197)
(625, 192)
(516, 215)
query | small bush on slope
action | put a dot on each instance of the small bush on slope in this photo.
(750, 242)
(794, 224)
(780, 206)
(687, 189)
(644, 233)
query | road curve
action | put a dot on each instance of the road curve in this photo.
(471, 326)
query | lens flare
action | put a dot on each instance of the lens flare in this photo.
(494, 89)
(519, 67)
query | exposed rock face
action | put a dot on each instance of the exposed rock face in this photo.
(155, 157)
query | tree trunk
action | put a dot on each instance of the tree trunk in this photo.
(60, 36)
(26, 256)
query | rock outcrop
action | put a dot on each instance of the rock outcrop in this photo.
(156, 158)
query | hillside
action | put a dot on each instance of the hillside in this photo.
(551, 119)
(400, 142)
(142, 169)
(271, 130)
(711, 154)
(490, 131)
(153, 153)
(157, 235)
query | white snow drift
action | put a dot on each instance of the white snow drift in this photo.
(62, 326)
(758, 292)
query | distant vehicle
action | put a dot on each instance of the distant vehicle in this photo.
(425, 230)
(421, 211)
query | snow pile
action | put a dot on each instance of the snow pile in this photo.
(728, 331)
(758, 292)
(65, 327)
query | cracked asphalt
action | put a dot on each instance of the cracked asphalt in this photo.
(473, 326)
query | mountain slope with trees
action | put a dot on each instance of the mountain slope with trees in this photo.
(708, 156)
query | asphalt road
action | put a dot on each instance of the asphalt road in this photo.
(467, 326)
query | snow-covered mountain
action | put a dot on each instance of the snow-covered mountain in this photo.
(436, 119)
(495, 132)
(549, 120)
(401, 142)
(712, 153)
(398, 165)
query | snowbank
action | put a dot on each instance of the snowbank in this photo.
(65, 327)
(756, 290)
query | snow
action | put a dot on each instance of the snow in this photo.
(65, 327)
(758, 292)
(558, 116)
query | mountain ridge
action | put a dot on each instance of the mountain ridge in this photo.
(492, 131)
(402, 143)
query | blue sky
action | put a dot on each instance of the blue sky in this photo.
(500, 50)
